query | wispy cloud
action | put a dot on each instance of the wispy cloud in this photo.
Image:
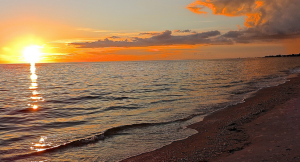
(164, 38)
(184, 31)
(93, 30)
(149, 33)
(114, 37)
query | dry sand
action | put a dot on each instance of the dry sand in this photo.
(266, 127)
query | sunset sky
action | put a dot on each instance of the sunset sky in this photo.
(131, 30)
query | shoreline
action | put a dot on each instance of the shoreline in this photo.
(235, 132)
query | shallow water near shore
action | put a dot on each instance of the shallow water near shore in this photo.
(112, 110)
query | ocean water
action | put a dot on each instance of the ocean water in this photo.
(109, 111)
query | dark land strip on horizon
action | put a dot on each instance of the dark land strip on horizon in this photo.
(290, 55)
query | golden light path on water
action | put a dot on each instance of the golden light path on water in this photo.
(32, 54)
(42, 144)
(34, 86)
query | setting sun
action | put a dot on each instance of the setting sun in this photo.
(32, 53)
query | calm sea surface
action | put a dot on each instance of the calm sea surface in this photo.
(110, 111)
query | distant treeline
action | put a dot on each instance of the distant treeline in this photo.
(291, 55)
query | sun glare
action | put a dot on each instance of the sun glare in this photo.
(32, 54)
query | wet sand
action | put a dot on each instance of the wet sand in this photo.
(266, 127)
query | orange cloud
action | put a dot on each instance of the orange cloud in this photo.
(272, 17)
(246, 8)
(259, 4)
(252, 19)
(193, 7)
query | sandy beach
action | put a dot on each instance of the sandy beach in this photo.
(265, 127)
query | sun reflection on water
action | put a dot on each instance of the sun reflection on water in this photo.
(35, 97)
(41, 145)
